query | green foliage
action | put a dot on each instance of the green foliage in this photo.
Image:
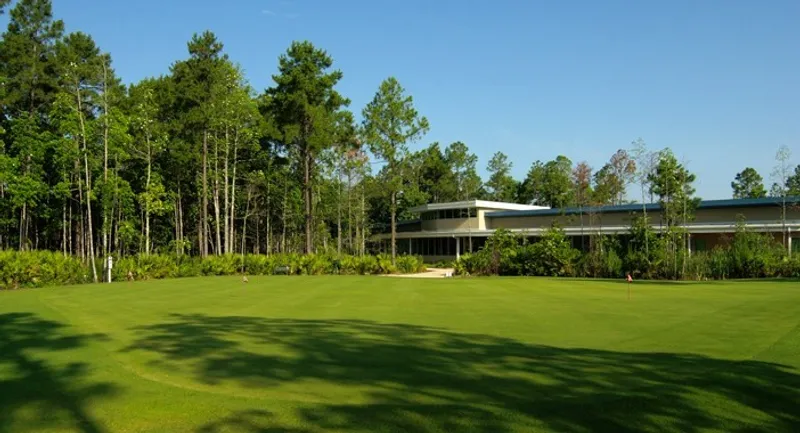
(551, 256)
(558, 189)
(643, 256)
(45, 268)
(409, 264)
(463, 164)
(390, 123)
(504, 254)
(753, 255)
(600, 263)
(748, 184)
(39, 269)
(478, 263)
(500, 186)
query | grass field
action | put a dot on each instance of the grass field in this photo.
(366, 354)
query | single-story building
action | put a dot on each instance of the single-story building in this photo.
(444, 231)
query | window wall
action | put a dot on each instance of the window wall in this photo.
(447, 214)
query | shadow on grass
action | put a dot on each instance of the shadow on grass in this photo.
(48, 394)
(425, 379)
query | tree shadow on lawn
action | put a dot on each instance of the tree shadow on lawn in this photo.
(49, 394)
(426, 379)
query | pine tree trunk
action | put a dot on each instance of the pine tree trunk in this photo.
(228, 241)
(23, 217)
(70, 244)
(81, 225)
(89, 240)
(232, 205)
(180, 221)
(307, 196)
(394, 226)
(217, 225)
(350, 246)
(105, 157)
(284, 219)
(117, 245)
(363, 220)
(268, 212)
(64, 228)
(244, 222)
(204, 201)
(177, 228)
(339, 215)
(148, 199)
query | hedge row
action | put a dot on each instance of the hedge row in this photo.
(745, 255)
(46, 268)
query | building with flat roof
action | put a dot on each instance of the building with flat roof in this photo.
(444, 231)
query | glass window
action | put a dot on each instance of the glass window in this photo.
(700, 245)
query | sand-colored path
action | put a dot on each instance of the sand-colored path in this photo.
(430, 273)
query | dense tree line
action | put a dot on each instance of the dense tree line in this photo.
(197, 162)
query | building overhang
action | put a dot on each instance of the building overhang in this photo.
(478, 204)
(721, 228)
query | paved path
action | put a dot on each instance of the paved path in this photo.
(430, 273)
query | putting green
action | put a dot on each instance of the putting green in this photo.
(367, 354)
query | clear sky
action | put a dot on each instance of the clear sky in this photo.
(718, 81)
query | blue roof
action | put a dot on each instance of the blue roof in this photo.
(650, 207)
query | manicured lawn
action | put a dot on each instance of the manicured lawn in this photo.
(366, 354)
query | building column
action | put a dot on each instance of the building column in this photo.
(789, 242)
(458, 248)
(689, 243)
(410, 247)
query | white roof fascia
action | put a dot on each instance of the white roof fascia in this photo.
(480, 204)
(759, 226)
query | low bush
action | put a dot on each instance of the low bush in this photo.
(46, 268)
(409, 265)
(506, 254)
(40, 268)
(601, 264)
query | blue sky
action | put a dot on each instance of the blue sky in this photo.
(718, 81)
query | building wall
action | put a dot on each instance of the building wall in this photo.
(611, 219)
(451, 224)
(702, 216)
(765, 214)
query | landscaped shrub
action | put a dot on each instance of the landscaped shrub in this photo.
(40, 268)
(504, 254)
(699, 266)
(601, 264)
(256, 264)
(409, 264)
(316, 265)
(473, 264)
(222, 265)
(46, 268)
(790, 267)
(385, 265)
(552, 255)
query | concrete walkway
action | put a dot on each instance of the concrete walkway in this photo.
(430, 273)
